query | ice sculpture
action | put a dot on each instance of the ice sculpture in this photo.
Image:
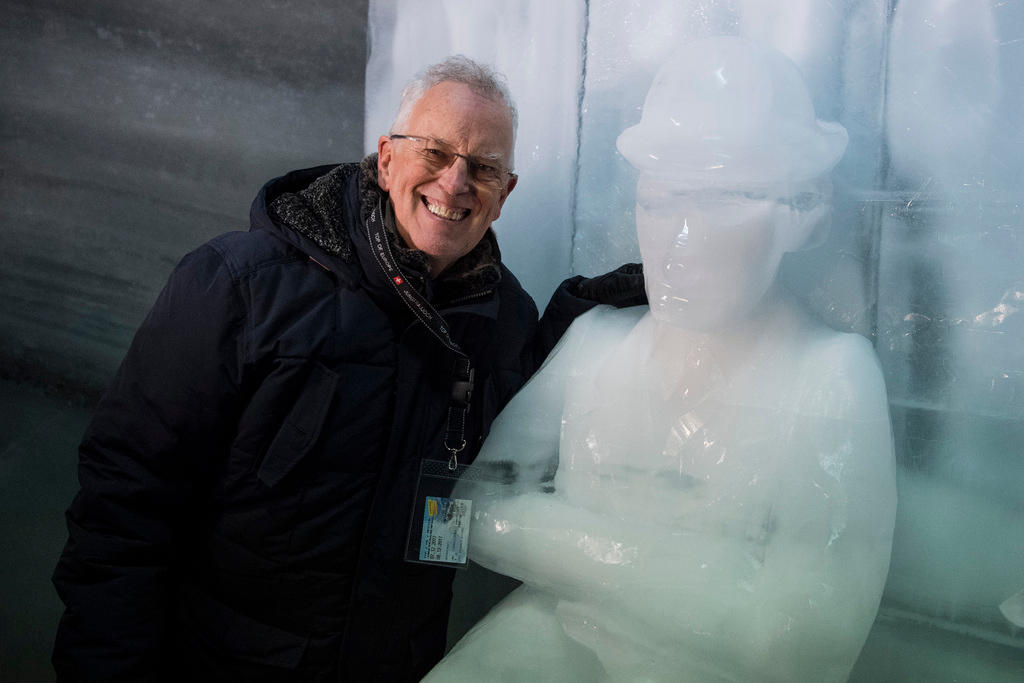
(702, 490)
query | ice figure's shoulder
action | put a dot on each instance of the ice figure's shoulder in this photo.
(591, 337)
(839, 376)
(529, 425)
(605, 324)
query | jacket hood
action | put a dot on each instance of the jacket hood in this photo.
(322, 204)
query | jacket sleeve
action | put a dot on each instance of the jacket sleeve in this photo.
(155, 437)
(621, 287)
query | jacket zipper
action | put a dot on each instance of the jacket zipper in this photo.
(464, 299)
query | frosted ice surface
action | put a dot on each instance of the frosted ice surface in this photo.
(944, 88)
(701, 490)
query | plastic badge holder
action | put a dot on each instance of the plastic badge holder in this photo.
(439, 524)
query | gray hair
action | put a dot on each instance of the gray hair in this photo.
(484, 80)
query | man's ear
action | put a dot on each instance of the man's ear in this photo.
(385, 150)
(508, 190)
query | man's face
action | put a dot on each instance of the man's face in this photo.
(444, 212)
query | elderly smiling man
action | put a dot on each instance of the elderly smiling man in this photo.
(247, 482)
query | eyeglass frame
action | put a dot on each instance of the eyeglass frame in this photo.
(472, 162)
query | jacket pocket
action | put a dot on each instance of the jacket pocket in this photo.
(233, 635)
(301, 428)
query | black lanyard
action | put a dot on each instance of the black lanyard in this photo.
(462, 375)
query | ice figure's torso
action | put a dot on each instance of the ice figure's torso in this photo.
(716, 511)
(655, 440)
(658, 428)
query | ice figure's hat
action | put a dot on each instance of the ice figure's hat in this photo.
(728, 111)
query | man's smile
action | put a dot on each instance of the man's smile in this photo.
(445, 212)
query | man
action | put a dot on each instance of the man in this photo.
(247, 482)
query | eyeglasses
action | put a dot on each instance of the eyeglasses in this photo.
(438, 156)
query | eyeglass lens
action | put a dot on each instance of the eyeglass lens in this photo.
(437, 156)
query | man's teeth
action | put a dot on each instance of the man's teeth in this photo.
(445, 212)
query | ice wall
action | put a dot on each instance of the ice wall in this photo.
(130, 132)
(925, 257)
(951, 288)
(135, 130)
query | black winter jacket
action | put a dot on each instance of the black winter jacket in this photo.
(247, 481)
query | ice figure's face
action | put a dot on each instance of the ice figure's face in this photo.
(710, 255)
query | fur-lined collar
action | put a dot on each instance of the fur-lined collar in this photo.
(316, 212)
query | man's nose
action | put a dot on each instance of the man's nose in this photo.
(456, 178)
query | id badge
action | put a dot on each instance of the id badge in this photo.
(439, 523)
(445, 533)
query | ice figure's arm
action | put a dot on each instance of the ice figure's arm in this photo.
(521, 451)
(622, 287)
(523, 440)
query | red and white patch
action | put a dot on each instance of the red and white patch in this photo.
(398, 279)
